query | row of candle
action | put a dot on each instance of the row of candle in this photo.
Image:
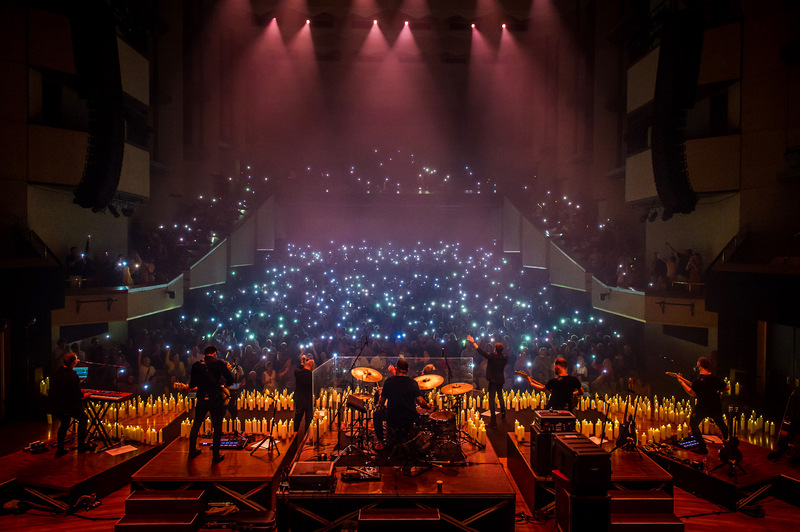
(319, 426)
(476, 427)
(228, 425)
(259, 401)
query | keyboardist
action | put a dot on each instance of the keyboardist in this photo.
(66, 400)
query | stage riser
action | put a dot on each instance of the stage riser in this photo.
(165, 502)
(580, 513)
(632, 502)
(158, 523)
(501, 519)
(651, 523)
(261, 493)
(698, 483)
(407, 520)
(786, 489)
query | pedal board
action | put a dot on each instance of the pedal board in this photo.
(687, 443)
(227, 442)
(361, 474)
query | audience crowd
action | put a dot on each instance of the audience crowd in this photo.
(405, 302)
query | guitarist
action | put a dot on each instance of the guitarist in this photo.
(206, 376)
(563, 387)
(707, 388)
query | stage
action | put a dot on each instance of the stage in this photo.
(474, 496)
(241, 478)
(725, 485)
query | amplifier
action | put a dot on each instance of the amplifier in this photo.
(358, 402)
(554, 420)
(314, 476)
(585, 464)
(541, 451)
(576, 513)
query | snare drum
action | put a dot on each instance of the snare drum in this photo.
(424, 416)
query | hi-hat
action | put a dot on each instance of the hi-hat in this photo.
(457, 388)
(429, 382)
(366, 374)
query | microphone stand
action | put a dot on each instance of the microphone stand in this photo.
(353, 365)
(269, 438)
(447, 363)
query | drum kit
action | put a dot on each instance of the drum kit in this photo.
(439, 429)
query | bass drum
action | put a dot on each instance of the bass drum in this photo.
(443, 425)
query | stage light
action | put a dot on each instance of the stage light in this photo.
(375, 22)
(473, 26)
(406, 23)
(308, 21)
(504, 26)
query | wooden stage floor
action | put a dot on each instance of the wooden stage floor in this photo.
(68, 477)
(173, 464)
(241, 478)
(721, 487)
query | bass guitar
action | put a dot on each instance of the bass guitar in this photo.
(530, 380)
(574, 400)
(679, 377)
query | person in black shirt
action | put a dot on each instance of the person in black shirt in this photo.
(707, 388)
(206, 376)
(397, 405)
(303, 393)
(563, 387)
(67, 403)
(495, 368)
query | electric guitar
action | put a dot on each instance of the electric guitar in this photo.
(729, 452)
(226, 393)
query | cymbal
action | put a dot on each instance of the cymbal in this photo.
(457, 388)
(429, 382)
(366, 374)
(362, 396)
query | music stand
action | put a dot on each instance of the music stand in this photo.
(269, 438)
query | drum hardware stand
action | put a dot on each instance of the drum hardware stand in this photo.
(630, 444)
(733, 441)
(269, 438)
(358, 435)
(463, 434)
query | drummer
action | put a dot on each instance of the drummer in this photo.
(402, 394)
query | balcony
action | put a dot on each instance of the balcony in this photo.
(118, 303)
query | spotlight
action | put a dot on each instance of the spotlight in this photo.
(473, 25)
(375, 22)
(504, 26)
(308, 21)
(406, 23)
